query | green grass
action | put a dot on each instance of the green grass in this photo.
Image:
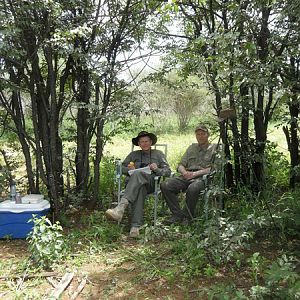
(120, 146)
(177, 144)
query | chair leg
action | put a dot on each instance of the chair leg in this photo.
(206, 199)
(156, 179)
(155, 209)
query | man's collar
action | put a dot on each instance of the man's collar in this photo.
(203, 147)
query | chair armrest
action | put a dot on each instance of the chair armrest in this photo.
(209, 176)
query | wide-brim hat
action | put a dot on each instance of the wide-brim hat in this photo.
(152, 136)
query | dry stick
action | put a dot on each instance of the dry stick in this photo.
(79, 289)
(196, 291)
(3, 294)
(52, 281)
(28, 276)
(21, 280)
(63, 284)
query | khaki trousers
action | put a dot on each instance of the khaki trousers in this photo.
(139, 184)
(170, 189)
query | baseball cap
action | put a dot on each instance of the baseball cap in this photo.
(201, 127)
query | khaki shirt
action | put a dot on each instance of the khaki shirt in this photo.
(197, 158)
(142, 159)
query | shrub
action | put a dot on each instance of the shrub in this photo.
(46, 242)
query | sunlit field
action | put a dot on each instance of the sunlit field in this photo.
(177, 143)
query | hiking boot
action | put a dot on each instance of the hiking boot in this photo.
(116, 214)
(134, 232)
(173, 220)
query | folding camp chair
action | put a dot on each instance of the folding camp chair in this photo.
(212, 194)
(215, 183)
(157, 179)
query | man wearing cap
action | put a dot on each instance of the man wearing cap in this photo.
(195, 163)
(139, 184)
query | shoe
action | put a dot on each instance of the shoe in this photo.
(116, 214)
(173, 220)
(134, 232)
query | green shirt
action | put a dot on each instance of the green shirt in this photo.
(143, 159)
(197, 158)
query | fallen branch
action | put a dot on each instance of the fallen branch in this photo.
(63, 284)
(3, 294)
(79, 289)
(52, 281)
(22, 279)
(28, 276)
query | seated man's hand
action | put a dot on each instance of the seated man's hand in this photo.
(131, 166)
(153, 166)
(188, 175)
(199, 173)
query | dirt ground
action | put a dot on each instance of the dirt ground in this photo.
(107, 276)
(117, 280)
(104, 281)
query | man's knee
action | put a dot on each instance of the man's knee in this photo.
(195, 188)
(165, 185)
(136, 175)
(139, 178)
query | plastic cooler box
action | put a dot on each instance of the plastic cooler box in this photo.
(14, 217)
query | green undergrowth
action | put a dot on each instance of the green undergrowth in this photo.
(248, 251)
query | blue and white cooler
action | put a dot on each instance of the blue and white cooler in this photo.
(14, 217)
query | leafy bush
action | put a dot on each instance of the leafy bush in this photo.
(223, 292)
(281, 281)
(288, 214)
(256, 262)
(97, 233)
(193, 258)
(153, 233)
(223, 237)
(46, 242)
(107, 177)
(277, 167)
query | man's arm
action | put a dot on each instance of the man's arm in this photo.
(192, 174)
(163, 169)
(129, 158)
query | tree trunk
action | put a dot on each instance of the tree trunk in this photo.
(246, 153)
(99, 150)
(18, 118)
(260, 134)
(83, 137)
(293, 140)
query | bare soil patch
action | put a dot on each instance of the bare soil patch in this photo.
(109, 276)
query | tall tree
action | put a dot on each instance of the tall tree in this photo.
(290, 75)
(237, 47)
(67, 59)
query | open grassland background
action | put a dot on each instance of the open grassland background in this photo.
(120, 146)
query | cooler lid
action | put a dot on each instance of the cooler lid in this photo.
(10, 206)
(32, 198)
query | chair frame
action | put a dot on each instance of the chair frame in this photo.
(156, 191)
(210, 181)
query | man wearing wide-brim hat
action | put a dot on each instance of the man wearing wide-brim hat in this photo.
(195, 163)
(139, 184)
